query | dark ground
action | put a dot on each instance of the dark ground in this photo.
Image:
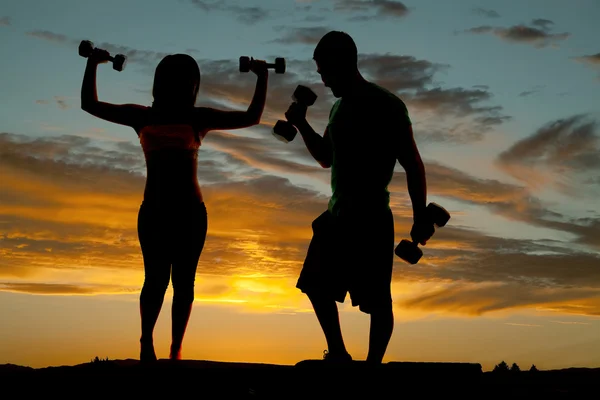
(306, 380)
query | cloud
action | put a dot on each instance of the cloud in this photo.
(544, 24)
(486, 13)
(60, 101)
(71, 202)
(456, 101)
(413, 80)
(538, 34)
(222, 86)
(315, 18)
(533, 90)
(266, 154)
(309, 35)
(472, 273)
(63, 289)
(65, 198)
(222, 82)
(481, 299)
(399, 72)
(464, 110)
(50, 36)
(593, 59)
(383, 9)
(555, 153)
(481, 259)
(5, 21)
(244, 14)
(513, 202)
(133, 55)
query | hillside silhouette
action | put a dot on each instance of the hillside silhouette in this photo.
(307, 379)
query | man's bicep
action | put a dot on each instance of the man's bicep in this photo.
(396, 126)
(404, 145)
(326, 148)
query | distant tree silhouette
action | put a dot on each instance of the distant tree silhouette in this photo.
(515, 368)
(502, 367)
(533, 368)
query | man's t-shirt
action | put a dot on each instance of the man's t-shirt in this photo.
(364, 131)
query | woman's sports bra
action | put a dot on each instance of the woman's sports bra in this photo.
(169, 137)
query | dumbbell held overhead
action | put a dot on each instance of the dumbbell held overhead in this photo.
(408, 250)
(284, 130)
(279, 65)
(86, 49)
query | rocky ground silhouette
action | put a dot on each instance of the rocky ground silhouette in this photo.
(308, 379)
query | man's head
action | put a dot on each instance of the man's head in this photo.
(336, 56)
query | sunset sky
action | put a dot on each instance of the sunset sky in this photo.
(505, 101)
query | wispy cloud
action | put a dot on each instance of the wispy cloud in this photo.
(50, 36)
(244, 14)
(556, 153)
(309, 35)
(364, 9)
(133, 55)
(484, 12)
(60, 101)
(480, 299)
(537, 33)
(593, 59)
(412, 78)
(533, 90)
(71, 203)
(63, 289)
(570, 322)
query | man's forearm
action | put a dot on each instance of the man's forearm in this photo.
(313, 141)
(417, 190)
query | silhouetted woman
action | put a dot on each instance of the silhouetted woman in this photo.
(172, 220)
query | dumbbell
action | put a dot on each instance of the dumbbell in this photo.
(284, 130)
(408, 250)
(279, 65)
(86, 48)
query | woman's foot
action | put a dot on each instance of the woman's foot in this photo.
(175, 353)
(147, 353)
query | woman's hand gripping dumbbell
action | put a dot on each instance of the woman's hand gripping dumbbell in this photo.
(246, 64)
(87, 50)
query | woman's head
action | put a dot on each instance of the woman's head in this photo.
(176, 81)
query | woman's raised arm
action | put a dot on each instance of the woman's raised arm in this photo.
(213, 119)
(123, 114)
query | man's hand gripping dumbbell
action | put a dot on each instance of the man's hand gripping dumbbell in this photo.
(408, 250)
(302, 97)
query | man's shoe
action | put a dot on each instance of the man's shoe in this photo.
(336, 357)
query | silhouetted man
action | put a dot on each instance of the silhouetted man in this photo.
(352, 249)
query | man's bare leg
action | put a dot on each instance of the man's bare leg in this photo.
(382, 326)
(328, 316)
